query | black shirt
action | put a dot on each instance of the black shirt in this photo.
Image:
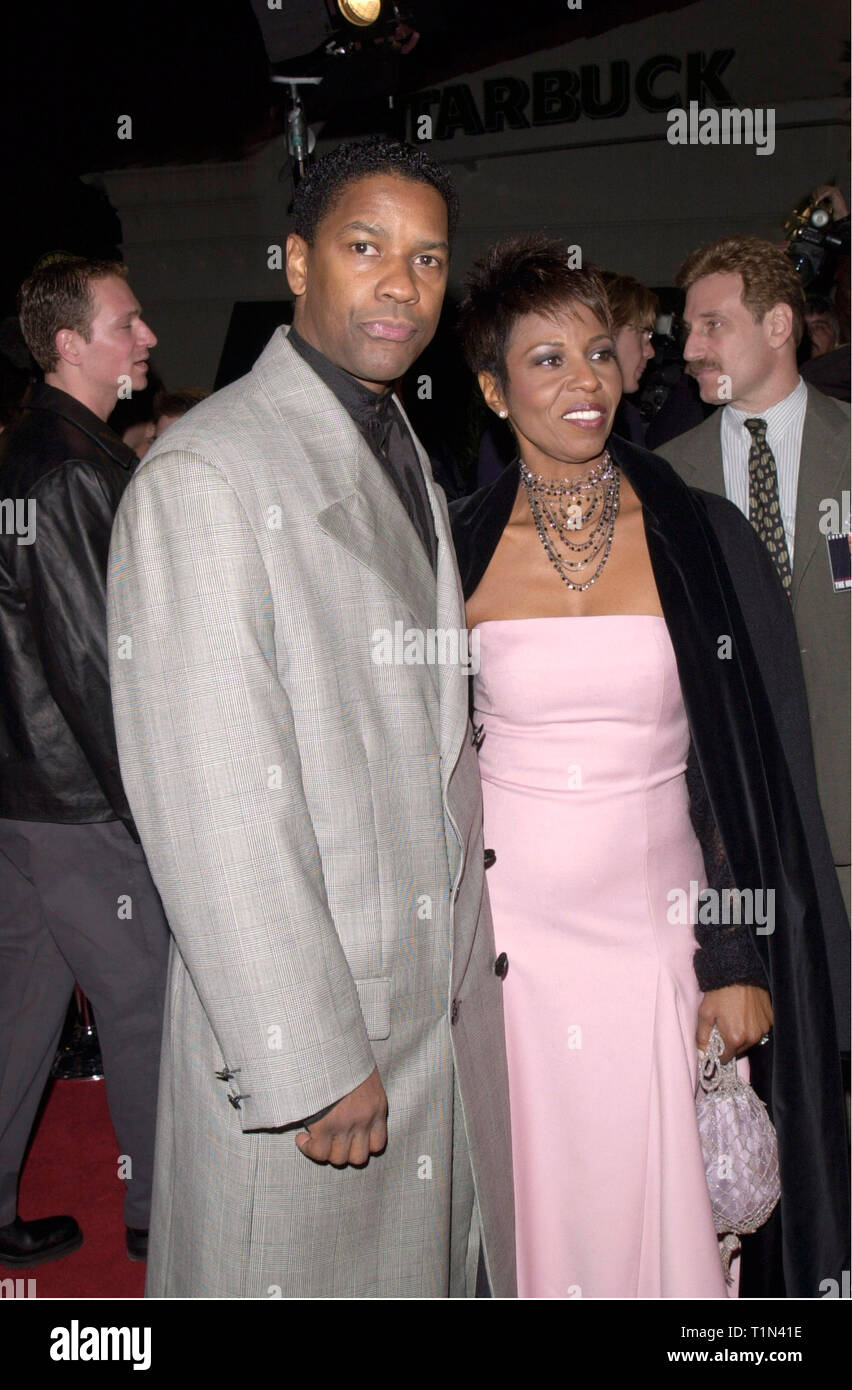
(385, 431)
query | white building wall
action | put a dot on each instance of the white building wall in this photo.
(197, 237)
(196, 240)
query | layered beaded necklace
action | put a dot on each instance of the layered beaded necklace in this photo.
(562, 507)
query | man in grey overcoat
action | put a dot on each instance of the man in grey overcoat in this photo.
(289, 670)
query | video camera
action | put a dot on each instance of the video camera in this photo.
(816, 241)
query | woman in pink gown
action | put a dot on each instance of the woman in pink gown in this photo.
(582, 763)
(583, 750)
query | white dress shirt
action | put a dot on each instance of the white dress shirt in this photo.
(784, 424)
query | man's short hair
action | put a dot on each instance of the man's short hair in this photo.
(177, 403)
(58, 294)
(769, 276)
(326, 180)
(522, 275)
(632, 303)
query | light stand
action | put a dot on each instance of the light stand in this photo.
(300, 140)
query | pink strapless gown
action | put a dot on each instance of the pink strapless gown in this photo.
(586, 808)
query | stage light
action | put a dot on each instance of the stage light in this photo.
(360, 12)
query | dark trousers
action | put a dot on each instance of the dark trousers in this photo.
(78, 902)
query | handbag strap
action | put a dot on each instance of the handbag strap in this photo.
(710, 1069)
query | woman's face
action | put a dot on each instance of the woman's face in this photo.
(563, 387)
(634, 350)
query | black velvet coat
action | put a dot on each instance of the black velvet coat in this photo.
(750, 740)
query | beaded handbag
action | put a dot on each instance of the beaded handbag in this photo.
(739, 1147)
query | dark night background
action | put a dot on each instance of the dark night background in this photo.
(194, 78)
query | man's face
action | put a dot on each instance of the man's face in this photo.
(730, 355)
(370, 288)
(634, 350)
(822, 334)
(119, 340)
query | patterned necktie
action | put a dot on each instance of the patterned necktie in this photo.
(764, 508)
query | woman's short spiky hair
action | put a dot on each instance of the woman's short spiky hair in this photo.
(333, 172)
(524, 275)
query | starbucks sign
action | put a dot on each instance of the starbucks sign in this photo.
(557, 96)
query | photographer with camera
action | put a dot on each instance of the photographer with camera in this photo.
(818, 245)
(823, 334)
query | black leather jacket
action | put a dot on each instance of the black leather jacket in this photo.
(62, 473)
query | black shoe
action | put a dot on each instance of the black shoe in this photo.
(137, 1244)
(24, 1243)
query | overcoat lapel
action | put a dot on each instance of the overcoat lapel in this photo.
(356, 504)
(372, 525)
(452, 678)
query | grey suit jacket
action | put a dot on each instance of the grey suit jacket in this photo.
(312, 818)
(822, 616)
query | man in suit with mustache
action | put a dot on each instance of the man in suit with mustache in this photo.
(333, 1111)
(779, 449)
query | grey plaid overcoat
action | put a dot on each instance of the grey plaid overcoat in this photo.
(312, 819)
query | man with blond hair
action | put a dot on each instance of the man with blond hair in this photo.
(76, 898)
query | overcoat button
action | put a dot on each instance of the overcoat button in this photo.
(501, 965)
(454, 1012)
(489, 858)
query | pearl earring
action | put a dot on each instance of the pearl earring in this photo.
(503, 414)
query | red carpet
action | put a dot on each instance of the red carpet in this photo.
(72, 1169)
